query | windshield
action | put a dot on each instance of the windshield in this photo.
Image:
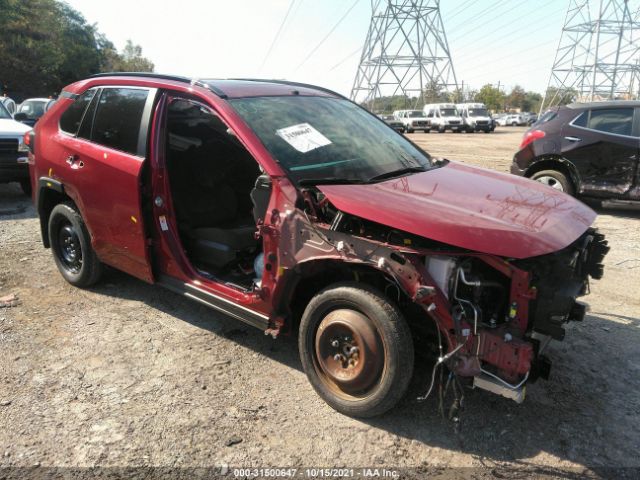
(33, 109)
(416, 113)
(4, 113)
(325, 139)
(448, 112)
(478, 112)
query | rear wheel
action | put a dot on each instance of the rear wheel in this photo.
(554, 179)
(71, 247)
(356, 349)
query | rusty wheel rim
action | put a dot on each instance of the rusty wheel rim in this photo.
(349, 353)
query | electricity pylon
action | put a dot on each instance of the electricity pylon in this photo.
(405, 53)
(598, 54)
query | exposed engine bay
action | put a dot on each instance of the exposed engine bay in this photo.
(494, 316)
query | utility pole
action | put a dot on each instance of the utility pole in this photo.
(598, 52)
(405, 53)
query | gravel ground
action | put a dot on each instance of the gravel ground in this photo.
(128, 374)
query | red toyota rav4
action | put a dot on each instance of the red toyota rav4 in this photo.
(291, 208)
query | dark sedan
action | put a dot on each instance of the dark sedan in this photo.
(585, 149)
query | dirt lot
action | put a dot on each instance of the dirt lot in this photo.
(127, 374)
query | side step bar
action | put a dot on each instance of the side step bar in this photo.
(216, 302)
(622, 204)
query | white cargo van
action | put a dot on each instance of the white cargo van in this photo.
(443, 116)
(475, 117)
(413, 120)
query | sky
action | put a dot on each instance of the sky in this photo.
(508, 41)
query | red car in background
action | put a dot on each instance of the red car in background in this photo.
(293, 209)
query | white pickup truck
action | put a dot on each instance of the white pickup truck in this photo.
(413, 120)
(14, 165)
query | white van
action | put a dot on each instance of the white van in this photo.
(475, 117)
(443, 116)
(413, 120)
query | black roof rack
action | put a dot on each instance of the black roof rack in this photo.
(160, 76)
(176, 78)
(292, 84)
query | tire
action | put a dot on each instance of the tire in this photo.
(373, 384)
(410, 130)
(554, 179)
(440, 129)
(427, 131)
(514, 124)
(25, 185)
(71, 247)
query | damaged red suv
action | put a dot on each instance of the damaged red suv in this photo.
(291, 208)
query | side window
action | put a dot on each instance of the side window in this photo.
(581, 121)
(612, 120)
(71, 118)
(87, 120)
(118, 116)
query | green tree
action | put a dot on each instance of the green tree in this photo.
(531, 102)
(491, 96)
(45, 45)
(434, 93)
(516, 98)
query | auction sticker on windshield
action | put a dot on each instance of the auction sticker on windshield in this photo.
(303, 137)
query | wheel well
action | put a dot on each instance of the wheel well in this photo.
(554, 163)
(47, 200)
(312, 277)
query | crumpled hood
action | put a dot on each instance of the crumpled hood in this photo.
(470, 208)
(11, 127)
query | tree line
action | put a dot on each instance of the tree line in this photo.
(46, 44)
(493, 97)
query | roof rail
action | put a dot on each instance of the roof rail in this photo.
(176, 78)
(160, 76)
(292, 84)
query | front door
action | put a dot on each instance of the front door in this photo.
(603, 145)
(103, 165)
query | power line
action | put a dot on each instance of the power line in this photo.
(277, 35)
(458, 10)
(519, 28)
(359, 49)
(474, 19)
(327, 35)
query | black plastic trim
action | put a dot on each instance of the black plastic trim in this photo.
(220, 304)
(70, 95)
(46, 182)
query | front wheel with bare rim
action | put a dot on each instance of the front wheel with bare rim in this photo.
(356, 349)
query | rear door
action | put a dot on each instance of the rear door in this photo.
(104, 164)
(603, 144)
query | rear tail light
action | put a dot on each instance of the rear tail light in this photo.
(531, 136)
(28, 140)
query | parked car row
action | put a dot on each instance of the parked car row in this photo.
(13, 150)
(464, 117)
(29, 111)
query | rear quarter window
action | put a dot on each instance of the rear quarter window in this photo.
(118, 116)
(72, 116)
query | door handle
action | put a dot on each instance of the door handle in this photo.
(573, 139)
(71, 159)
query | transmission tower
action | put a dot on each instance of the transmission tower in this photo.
(405, 53)
(598, 54)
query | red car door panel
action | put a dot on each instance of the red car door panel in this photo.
(110, 180)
